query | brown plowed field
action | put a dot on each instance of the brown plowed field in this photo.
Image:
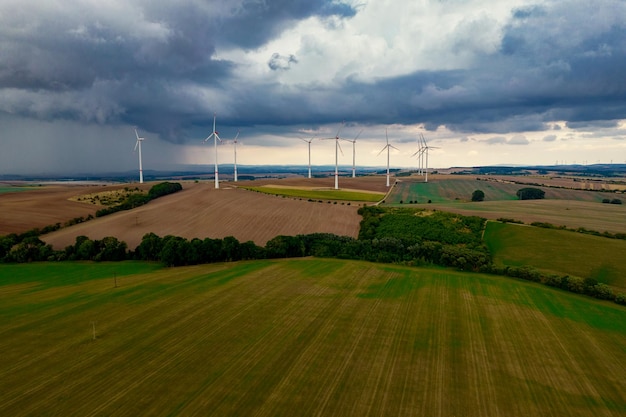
(201, 211)
(48, 205)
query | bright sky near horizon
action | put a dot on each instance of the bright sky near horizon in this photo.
(506, 82)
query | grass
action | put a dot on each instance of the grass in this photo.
(14, 189)
(562, 207)
(455, 190)
(341, 195)
(271, 338)
(71, 273)
(560, 251)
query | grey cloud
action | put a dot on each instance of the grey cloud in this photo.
(518, 140)
(281, 62)
(549, 138)
(592, 124)
(496, 140)
(154, 65)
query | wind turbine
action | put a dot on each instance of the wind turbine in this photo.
(387, 146)
(354, 153)
(235, 145)
(309, 142)
(215, 137)
(337, 149)
(138, 145)
(420, 156)
(425, 149)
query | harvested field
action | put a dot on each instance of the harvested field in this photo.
(201, 211)
(47, 205)
(305, 337)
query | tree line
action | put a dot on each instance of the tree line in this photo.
(411, 237)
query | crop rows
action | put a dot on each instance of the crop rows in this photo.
(308, 337)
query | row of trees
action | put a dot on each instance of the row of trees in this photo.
(404, 236)
(528, 193)
(136, 200)
(578, 285)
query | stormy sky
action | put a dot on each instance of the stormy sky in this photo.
(486, 82)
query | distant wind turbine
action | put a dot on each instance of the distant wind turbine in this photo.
(215, 137)
(425, 149)
(337, 150)
(420, 157)
(309, 142)
(387, 146)
(138, 145)
(235, 146)
(354, 153)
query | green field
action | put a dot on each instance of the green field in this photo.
(559, 251)
(341, 195)
(305, 337)
(441, 191)
(460, 190)
(14, 189)
(561, 207)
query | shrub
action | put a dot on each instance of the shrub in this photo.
(164, 188)
(602, 291)
(507, 220)
(575, 284)
(553, 281)
(478, 195)
(530, 193)
(616, 201)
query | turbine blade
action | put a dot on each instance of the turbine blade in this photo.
(236, 136)
(136, 134)
(357, 136)
(343, 122)
(381, 151)
(136, 144)
(340, 150)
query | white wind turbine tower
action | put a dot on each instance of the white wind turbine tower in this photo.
(309, 142)
(215, 137)
(420, 156)
(138, 145)
(425, 149)
(235, 145)
(387, 146)
(337, 149)
(354, 153)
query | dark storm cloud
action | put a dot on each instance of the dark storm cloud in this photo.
(134, 63)
(155, 65)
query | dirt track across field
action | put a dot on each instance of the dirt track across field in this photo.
(200, 211)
